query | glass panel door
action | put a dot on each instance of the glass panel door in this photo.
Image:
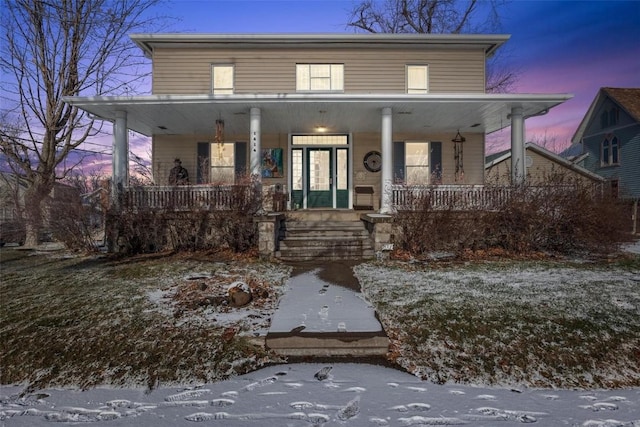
(342, 174)
(320, 183)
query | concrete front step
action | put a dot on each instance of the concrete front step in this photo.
(328, 344)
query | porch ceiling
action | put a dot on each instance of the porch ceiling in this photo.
(291, 113)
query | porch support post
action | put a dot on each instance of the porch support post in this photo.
(518, 161)
(387, 163)
(255, 145)
(120, 162)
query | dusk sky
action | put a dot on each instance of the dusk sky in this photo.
(563, 46)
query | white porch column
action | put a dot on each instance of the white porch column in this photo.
(518, 155)
(120, 162)
(387, 161)
(254, 129)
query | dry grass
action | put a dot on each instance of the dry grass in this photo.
(540, 324)
(79, 321)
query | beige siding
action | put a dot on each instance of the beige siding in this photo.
(167, 148)
(188, 71)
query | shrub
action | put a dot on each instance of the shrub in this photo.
(134, 229)
(557, 215)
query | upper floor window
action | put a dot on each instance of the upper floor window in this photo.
(319, 77)
(609, 117)
(222, 79)
(417, 79)
(609, 153)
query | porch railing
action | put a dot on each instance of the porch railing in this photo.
(455, 197)
(187, 197)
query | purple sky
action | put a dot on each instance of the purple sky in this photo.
(557, 46)
(564, 46)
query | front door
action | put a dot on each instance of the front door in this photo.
(320, 182)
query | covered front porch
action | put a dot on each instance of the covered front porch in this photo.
(377, 130)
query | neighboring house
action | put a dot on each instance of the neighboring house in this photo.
(12, 189)
(607, 142)
(319, 116)
(541, 165)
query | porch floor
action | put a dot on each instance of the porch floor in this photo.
(322, 314)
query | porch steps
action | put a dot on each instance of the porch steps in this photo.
(306, 240)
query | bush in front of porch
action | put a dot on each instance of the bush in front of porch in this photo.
(557, 215)
(228, 224)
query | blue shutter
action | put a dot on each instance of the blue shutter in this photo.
(436, 162)
(202, 165)
(398, 162)
(240, 159)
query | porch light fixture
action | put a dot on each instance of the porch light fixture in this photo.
(321, 128)
(457, 155)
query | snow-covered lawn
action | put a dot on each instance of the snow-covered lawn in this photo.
(153, 342)
(354, 395)
(511, 323)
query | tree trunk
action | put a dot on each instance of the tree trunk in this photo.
(34, 199)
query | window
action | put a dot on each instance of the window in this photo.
(319, 77)
(417, 81)
(222, 79)
(609, 117)
(417, 163)
(222, 163)
(609, 154)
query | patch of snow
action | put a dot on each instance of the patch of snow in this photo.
(310, 304)
(266, 398)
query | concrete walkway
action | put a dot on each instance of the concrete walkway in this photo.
(322, 313)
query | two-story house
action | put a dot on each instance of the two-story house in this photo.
(607, 140)
(320, 115)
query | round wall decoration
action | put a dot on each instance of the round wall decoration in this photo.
(373, 161)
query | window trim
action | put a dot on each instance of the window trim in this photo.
(417, 90)
(230, 90)
(610, 146)
(308, 88)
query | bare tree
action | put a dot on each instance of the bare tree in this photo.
(53, 49)
(437, 17)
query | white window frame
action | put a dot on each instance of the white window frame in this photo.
(414, 88)
(224, 90)
(216, 166)
(412, 165)
(309, 77)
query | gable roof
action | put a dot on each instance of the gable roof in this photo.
(628, 99)
(496, 158)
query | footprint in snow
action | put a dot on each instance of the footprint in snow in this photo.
(428, 421)
(350, 410)
(261, 383)
(222, 402)
(485, 397)
(601, 406)
(421, 407)
(187, 395)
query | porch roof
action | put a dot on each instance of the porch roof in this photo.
(302, 113)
